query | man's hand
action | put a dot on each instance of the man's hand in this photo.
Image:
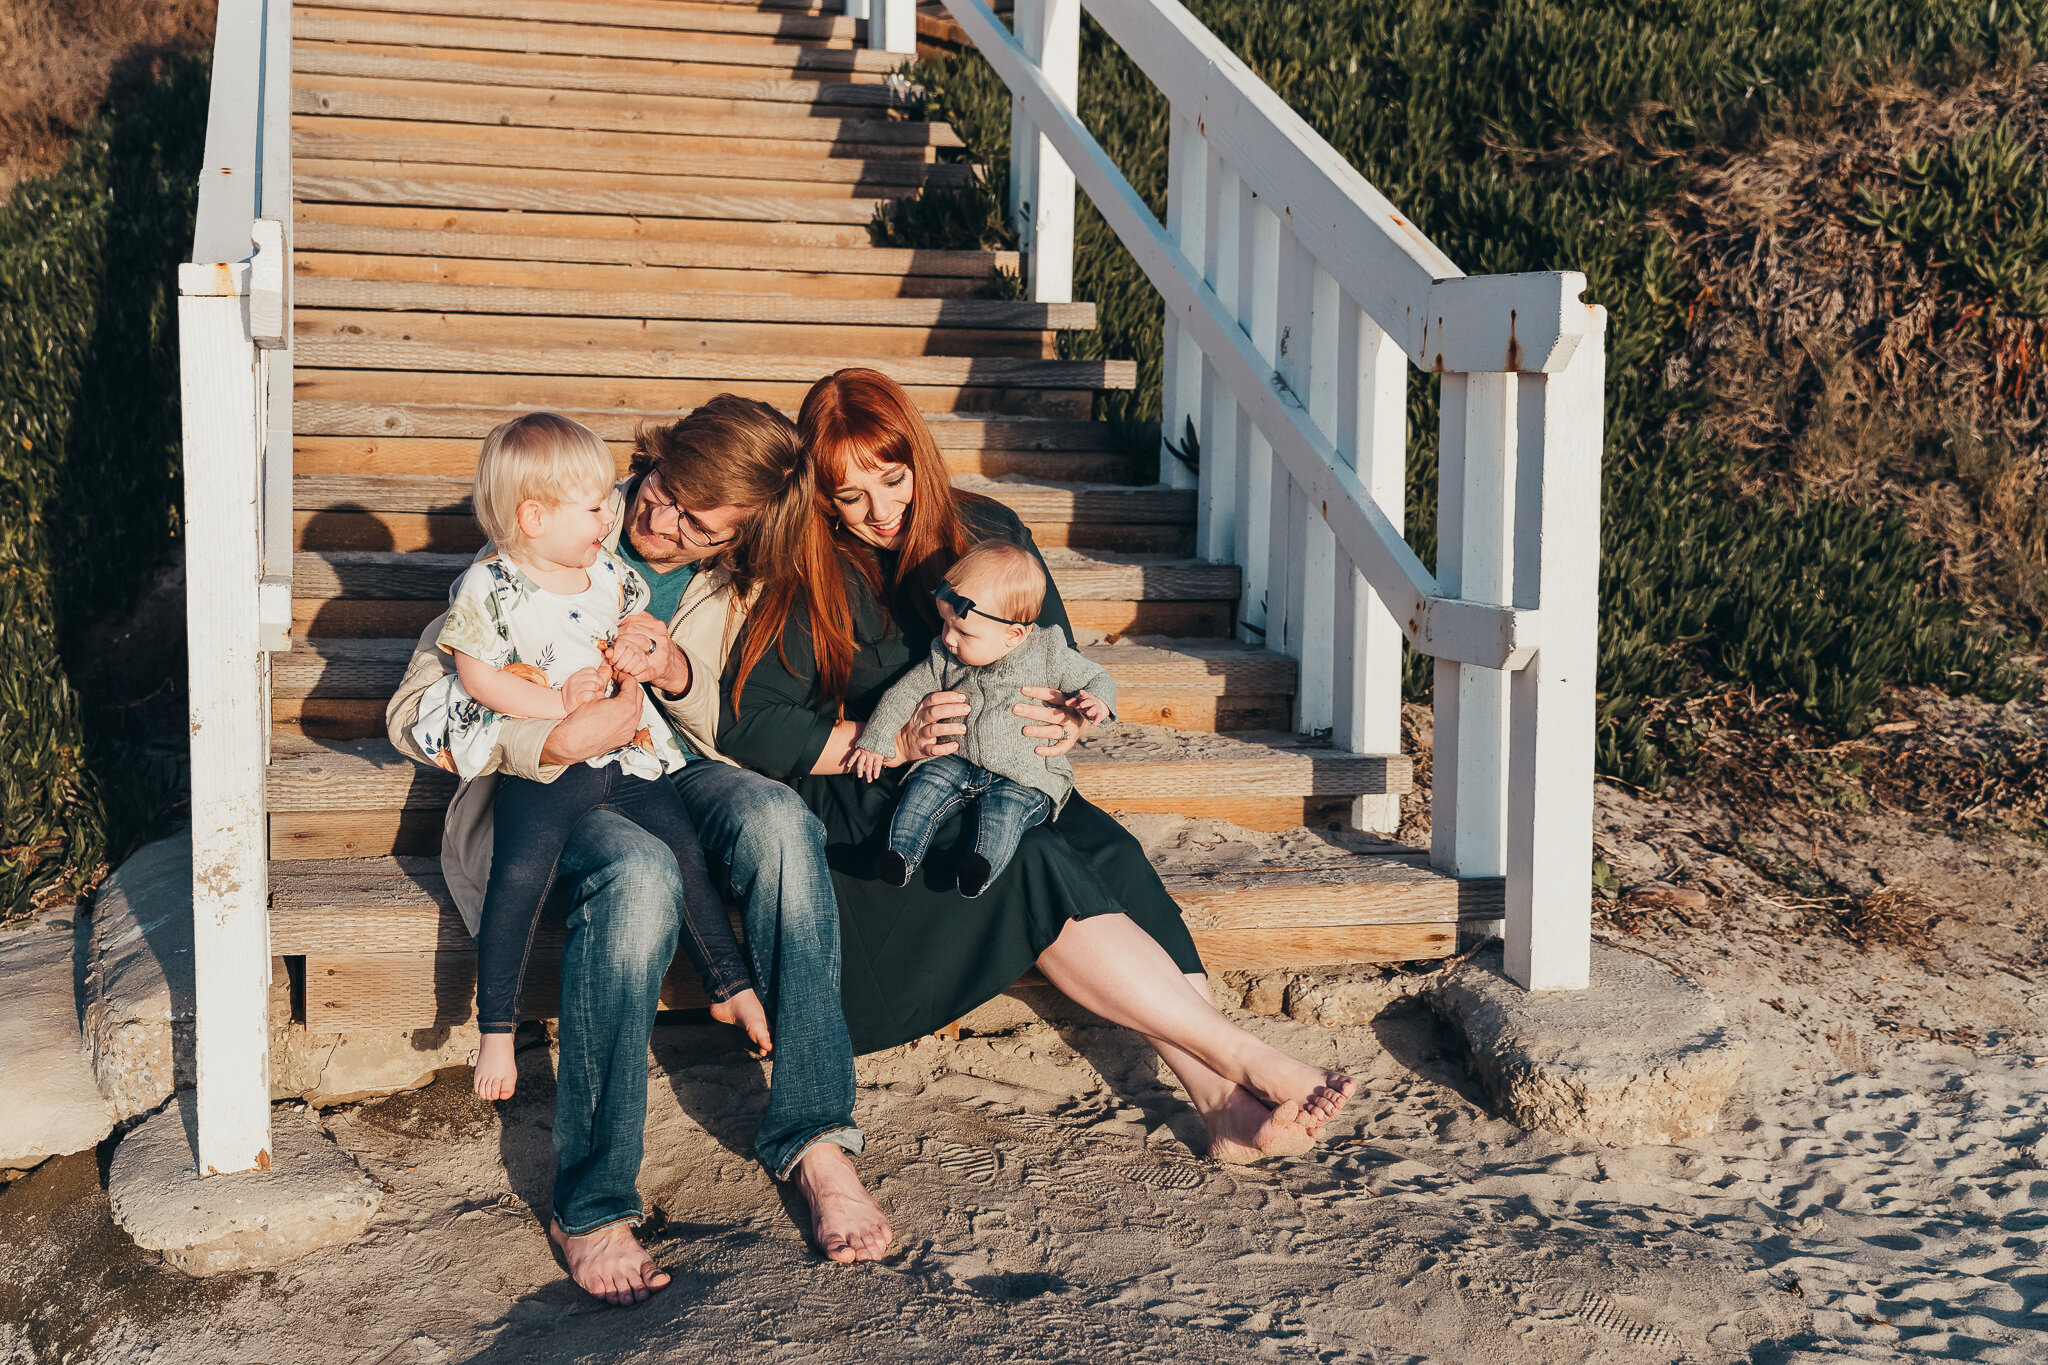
(936, 717)
(595, 728)
(1093, 709)
(1056, 721)
(867, 763)
(643, 651)
(584, 686)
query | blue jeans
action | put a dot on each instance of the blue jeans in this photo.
(626, 902)
(939, 786)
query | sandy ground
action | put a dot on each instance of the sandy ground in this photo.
(1875, 1190)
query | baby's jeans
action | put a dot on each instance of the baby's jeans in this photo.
(939, 786)
(531, 824)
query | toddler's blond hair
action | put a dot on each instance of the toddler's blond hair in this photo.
(1007, 580)
(543, 456)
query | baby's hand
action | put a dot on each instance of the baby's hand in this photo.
(1091, 706)
(586, 685)
(867, 763)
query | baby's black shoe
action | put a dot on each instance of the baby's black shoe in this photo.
(892, 867)
(974, 873)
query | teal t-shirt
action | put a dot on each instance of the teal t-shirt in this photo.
(665, 594)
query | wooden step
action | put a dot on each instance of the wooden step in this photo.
(671, 196)
(771, 126)
(627, 306)
(365, 594)
(486, 34)
(328, 795)
(490, 244)
(750, 93)
(617, 154)
(385, 948)
(336, 689)
(610, 13)
(950, 431)
(567, 393)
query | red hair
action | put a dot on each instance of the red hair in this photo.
(855, 417)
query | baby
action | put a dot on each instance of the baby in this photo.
(988, 649)
(529, 626)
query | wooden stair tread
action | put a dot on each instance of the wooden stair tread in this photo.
(767, 89)
(593, 113)
(491, 34)
(612, 13)
(416, 576)
(950, 431)
(314, 292)
(661, 196)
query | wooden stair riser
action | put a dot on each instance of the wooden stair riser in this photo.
(561, 393)
(422, 310)
(741, 281)
(585, 251)
(729, 203)
(738, 52)
(775, 129)
(747, 92)
(727, 20)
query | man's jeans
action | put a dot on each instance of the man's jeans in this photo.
(626, 900)
(939, 786)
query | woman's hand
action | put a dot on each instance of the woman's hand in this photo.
(1057, 721)
(644, 652)
(924, 735)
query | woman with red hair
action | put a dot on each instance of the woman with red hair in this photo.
(847, 610)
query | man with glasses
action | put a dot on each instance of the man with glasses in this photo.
(679, 521)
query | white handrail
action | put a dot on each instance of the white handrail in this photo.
(234, 338)
(1292, 290)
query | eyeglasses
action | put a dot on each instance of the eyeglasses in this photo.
(964, 606)
(685, 523)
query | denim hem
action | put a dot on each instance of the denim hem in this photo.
(634, 1218)
(845, 1135)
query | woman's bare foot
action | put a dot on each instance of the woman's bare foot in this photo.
(609, 1264)
(497, 1072)
(1277, 1078)
(845, 1219)
(745, 1010)
(1242, 1129)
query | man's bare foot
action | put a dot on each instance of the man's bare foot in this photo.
(1242, 1129)
(609, 1263)
(845, 1219)
(745, 1010)
(497, 1072)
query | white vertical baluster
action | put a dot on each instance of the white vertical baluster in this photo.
(1367, 687)
(892, 26)
(1318, 346)
(219, 390)
(1476, 482)
(1222, 452)
(1286, 547)
(1187, 172)
(1557, 570)
(1258, 285)
(1042, 186)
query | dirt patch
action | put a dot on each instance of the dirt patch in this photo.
(59, 59)
(447, 1109)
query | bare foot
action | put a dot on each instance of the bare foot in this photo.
(497, 1073)
(845, 1219)
(745, 1010)
(609, 1263)
(1277, 1078)
(1242, 1129)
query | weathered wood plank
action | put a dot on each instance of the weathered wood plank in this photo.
(336, 352)
(483, 188)
(586, 40)
(592, 112)
(962, 314)
(574, 74)
(612, 14)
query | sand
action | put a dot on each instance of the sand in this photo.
(1875, 1190)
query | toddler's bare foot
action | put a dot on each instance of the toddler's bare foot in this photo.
(745, 1010)
(845, 1219)
(497, 1073)
(1242, 1129)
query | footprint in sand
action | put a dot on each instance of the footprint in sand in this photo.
(975, 1165)
(1159, 1174)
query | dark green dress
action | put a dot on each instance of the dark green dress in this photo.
(916, 958)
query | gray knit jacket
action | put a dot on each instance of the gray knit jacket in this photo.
(995, 739)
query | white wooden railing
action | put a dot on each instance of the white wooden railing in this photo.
(234, 345)
(1296, 300)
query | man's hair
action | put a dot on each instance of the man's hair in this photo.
(732, 452)
(544, 457)
(1002, 579)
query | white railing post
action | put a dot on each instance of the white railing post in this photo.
(1557, 571)
(221, 394)
(892, 24)
(1366, 690)
(1474, 561)
(1042, 185)
(1258, 300)
(1187, 170)
(1221, 424)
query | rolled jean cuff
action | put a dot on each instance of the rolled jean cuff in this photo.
(839, 1135)
(633, 1219)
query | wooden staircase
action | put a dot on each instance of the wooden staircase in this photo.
(615, 209)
